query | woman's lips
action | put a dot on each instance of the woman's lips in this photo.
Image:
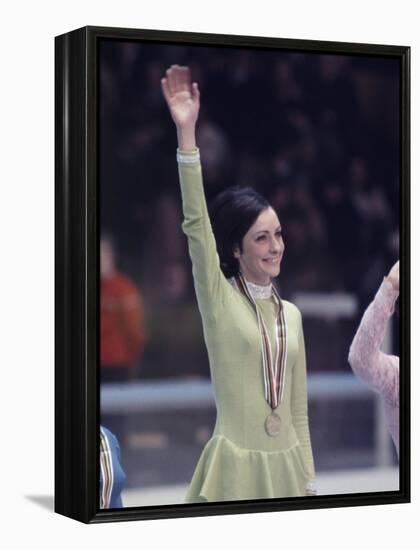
(273, 261)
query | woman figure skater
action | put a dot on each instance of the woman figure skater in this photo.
(260, 447)
(380, 370)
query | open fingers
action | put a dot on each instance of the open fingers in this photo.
(170, 83)
(195, 92)
(181, 78)
(178, 79)
(184, 79)
(165, 89)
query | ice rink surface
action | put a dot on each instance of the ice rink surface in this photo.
(331, 483)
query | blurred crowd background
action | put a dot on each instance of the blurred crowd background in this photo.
(318, 135)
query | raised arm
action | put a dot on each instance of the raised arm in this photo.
(379, 370)
(183, 100)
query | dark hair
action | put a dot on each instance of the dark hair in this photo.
(232, 213)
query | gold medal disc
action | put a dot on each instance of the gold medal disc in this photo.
(272, 424)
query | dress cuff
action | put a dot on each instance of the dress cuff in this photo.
(188, 157)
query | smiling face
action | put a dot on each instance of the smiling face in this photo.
(262, 249)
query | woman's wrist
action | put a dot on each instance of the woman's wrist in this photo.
(186, 138)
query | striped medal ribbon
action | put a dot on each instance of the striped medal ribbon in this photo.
(107, 471)
(274, 369)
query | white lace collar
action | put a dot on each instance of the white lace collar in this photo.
(258, 292)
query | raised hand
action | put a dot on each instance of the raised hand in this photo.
(394, 275)
(183, 100)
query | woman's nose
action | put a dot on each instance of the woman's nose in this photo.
(276, 245)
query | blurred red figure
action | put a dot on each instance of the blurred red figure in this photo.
(122, 336)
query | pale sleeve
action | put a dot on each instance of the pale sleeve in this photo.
(369, 363)
(209, 281)
(299, 406)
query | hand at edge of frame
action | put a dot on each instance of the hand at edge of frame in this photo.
(394, 276)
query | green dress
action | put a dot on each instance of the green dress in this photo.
(241, 461)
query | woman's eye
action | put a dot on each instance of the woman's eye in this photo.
(261, 238)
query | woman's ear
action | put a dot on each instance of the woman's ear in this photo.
(236, 252)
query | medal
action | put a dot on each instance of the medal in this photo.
(272, 424)
(274, 367)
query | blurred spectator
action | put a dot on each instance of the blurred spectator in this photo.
(287, 89)
(122, 331)
(308, 265)
(176, 337)
(215, 156)
(369, 200)
(345, 241)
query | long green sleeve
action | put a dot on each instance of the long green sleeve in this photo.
(208, 278)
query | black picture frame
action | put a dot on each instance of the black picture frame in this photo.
(77, 266)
